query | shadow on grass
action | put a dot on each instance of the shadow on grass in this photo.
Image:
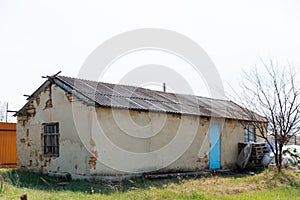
(39, 181)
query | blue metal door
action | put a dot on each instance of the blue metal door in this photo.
(214, 151)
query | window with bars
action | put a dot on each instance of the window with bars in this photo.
(249, 134)
(50, 139)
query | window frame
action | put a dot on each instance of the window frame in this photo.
(249, 133)
(50, 139)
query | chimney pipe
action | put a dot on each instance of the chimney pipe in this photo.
(164, 87)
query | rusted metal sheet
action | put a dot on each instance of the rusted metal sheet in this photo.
(8, 151)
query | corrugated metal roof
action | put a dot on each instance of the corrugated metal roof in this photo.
(136, 98)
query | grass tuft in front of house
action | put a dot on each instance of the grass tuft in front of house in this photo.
(264, 185)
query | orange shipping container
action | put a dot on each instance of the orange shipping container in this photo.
(8, 150)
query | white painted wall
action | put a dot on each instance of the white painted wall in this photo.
(105, 141)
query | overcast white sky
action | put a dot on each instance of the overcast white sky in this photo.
(43, 37)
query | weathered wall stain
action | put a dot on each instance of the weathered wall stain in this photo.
(56, 105)
(38, 100)
(50, 106)
(203, 161)
(92, 162)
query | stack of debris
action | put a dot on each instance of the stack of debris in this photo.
(258, 150)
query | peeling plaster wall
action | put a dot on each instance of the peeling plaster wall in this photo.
(52, 105)
(231, 134)
(132, 131)
(120, 130)
(116, 124)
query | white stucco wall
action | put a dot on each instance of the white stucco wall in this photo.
(73, 155)
(127, 131)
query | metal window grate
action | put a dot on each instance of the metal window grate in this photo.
(51, 139)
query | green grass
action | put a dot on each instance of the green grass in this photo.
(264, 185)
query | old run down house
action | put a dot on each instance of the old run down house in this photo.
(87, 128)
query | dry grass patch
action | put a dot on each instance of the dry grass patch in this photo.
(264, 185)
